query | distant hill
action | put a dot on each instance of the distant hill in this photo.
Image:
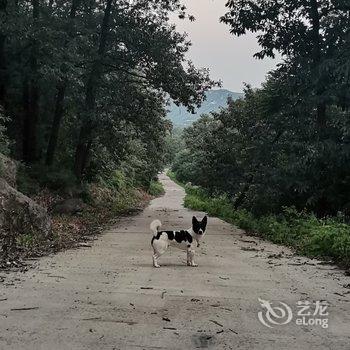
(215, 99)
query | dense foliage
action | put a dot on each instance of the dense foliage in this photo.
(265, 160)
(327, 238)
(174, 143)
(83, 84)
(287, 143)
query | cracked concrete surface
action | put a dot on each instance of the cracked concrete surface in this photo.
(110, 297)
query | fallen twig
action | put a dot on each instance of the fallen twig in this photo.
(247, 241)
(25, 308)
(216, 322)
(251, 249)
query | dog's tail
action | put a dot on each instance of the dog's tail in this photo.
(155, 226)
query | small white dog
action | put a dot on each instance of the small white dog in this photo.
(183, 239)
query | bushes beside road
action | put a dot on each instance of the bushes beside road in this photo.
(327, 238)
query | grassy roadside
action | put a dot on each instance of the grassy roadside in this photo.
(156, 188)
(96, 215)
(324, 238)
(172, 176)
(103, 205)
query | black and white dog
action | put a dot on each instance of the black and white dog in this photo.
(183, 239)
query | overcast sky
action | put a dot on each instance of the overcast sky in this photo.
(228, 57)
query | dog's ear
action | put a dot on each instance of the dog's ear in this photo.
(205, 221)
(194, 220)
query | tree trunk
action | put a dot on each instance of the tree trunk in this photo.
(316, 59)
(59, 105)
(31, 100)
(3, 74)
(82, 150)
(31, 107)
(86, 130)
(2, 70)
(59, 111)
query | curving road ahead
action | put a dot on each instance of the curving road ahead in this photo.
(109, 296)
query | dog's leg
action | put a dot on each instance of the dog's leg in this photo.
(190, 258)
(155, 260)
(159, 248)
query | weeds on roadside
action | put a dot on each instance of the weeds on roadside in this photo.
(307, 234)
(155, 188)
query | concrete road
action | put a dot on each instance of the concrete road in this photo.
(110, 297)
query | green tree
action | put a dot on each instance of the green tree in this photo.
(306, 33)
(262, 152)
(80, 76)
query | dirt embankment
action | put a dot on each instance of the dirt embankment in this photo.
(49, 222)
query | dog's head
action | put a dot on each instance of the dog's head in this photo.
(199, 227)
